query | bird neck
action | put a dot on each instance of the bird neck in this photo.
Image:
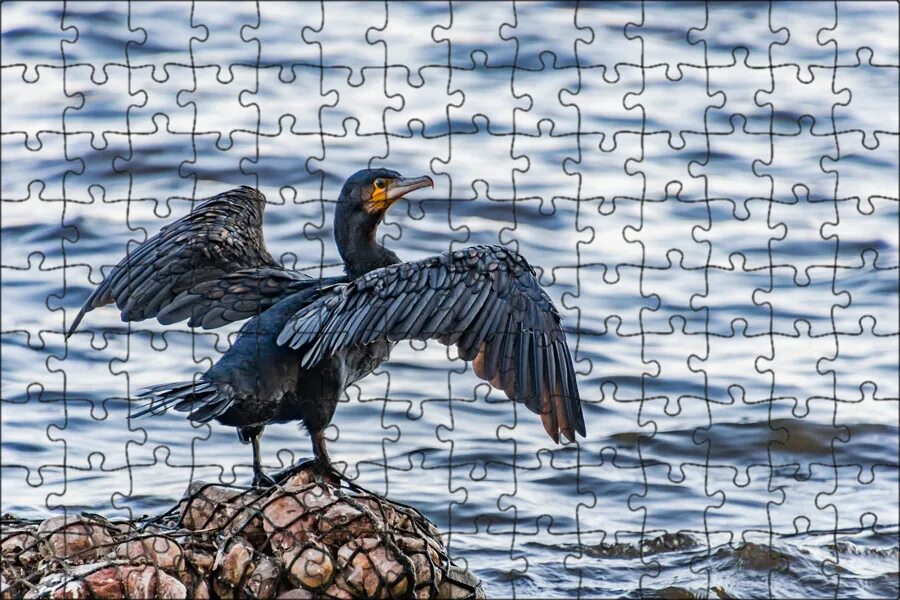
(360, 251)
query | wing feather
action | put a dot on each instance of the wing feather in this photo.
(176, 274)
(486, 300)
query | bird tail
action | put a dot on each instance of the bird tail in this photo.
(203, 400)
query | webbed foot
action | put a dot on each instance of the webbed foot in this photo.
(319, 469)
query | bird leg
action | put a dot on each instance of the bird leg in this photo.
(260, 479)
(320, 451)
(320, 464)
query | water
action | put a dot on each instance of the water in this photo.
(725, 263)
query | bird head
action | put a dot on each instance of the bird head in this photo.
(373, 191)
(364, 199)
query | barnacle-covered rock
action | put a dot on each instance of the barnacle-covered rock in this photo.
(211, 508)
(373, 569)
(345, 520)
(160, 550)
(290, 518)
(460, 584)
(105, 580)
(305, 538)
(23, 547)
(310, 566)
(74, 538)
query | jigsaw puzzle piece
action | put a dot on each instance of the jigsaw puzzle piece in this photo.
(470, 153)
(425, 107)
(609, 40)
(35, 121)
(733, 290)
(730, 29)
(224, 37)
(155, 164)
(224, 109)
(475, 27)
(675, 286)
(873, 292)
(618, 117)
(367, 103)
(343, 38)
(818, 297)
(103, 37)
(874, 96)
(732, 234)
(793, 100)
(740, 84)
(409, 44)
(797, 170)
(675, 106)
(161, 100)
(487, 105)
(797, 364)
(544, 179)
(882, 23)
(865, 357)
(167, 34)
(292, 106)
(727, 167)
(543, 37)
(674, 381)
(664, 35)
(738, 352)
(807, 25)
(282, 47)
(105, 108)
(543, 89)
(20, 22)
(871, 177)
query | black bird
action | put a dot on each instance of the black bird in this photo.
(308, 339)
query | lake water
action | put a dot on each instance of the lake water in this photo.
(710, 194)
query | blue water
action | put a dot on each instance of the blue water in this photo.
(710, 193)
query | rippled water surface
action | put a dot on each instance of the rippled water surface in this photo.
(710, 194)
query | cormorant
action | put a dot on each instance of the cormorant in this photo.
(308, 339)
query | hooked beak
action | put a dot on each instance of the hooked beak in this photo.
(404, 185)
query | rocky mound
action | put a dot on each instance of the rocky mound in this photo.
(306, 538)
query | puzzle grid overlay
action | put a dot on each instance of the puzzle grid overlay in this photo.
(651, 170)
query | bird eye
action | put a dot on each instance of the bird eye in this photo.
(379, 183)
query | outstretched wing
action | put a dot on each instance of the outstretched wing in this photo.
(486, 300)
(211, 265)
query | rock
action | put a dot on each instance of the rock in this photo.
(299, 481)
(104, 581)
(339, 589)
(343, 522)
(372, 569)
(426, 562)
(296, 594)
(263, 583)
(199, 590)
(392, 517)
(303, 539)
(234, 563)
(161, 551)
(289, 518)
(73, 538)
(23, 548)
(6, 590)
(203, 561)
(215, 507)
(460, 584)
(310, 566)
